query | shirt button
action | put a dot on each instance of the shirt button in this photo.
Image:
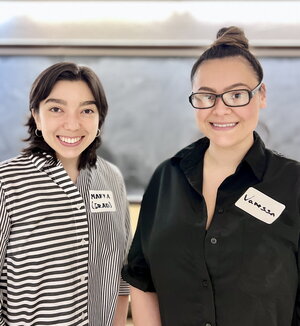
(83, 242)
(205, 283)
(83, 315)
(82, 278)
(220, 210)
(208, 324)
(213, 241)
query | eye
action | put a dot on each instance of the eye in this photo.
(88, 111)
(235, 95)
(209, 97)
(55, 109)
(204, 97)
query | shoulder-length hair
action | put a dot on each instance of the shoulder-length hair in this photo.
(40, 90)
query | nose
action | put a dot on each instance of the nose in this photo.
(220, 107)
(71, 122)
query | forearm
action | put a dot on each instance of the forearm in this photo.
(121, 311)
(145, 309)
(2, 323)
(4, 236)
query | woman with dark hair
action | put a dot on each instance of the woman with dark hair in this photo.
(217, 241)
(64, 219)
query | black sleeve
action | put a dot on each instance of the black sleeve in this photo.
(137, 271)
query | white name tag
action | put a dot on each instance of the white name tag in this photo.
(102, 201)
(260, 205)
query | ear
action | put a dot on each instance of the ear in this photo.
(263, 96)
(36, 118)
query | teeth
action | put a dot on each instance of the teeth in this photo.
(224, 125)
(69, 140)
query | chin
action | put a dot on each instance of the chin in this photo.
(225, 142)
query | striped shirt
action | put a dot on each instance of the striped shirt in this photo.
(62, 246)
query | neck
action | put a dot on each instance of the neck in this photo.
(227, 157)
(71, 168)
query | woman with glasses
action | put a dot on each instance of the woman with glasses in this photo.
(217, 238)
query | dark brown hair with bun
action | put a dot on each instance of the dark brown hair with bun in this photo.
(230, 42)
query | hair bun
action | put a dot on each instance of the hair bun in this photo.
(232, 36)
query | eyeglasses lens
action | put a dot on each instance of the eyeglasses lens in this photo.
(236, 98)
(233, 98)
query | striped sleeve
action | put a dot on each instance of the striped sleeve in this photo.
(124, 287)
(4, 235)
(117, 175)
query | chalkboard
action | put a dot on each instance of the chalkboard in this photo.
(149, 117)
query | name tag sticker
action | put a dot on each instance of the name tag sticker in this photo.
(260, 205)
(102, 201)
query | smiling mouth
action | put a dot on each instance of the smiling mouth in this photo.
(224, 125)
(69, 140)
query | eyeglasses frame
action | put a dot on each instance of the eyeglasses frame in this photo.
(250, 92)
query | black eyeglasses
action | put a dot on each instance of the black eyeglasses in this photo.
(234, 98)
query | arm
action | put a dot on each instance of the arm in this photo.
(145, 309)
(137, 272)
(4, 234)
(296, 317)
(121, 311)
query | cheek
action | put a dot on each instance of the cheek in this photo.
(47, 123)
(250, 115)
(91, 126)
(96, 124)
(201, 116)
(99, 121)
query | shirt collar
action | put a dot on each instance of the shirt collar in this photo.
(44, 160)
(256, 157)
(191, 159)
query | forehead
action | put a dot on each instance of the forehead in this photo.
(220, 73)
(75, 89)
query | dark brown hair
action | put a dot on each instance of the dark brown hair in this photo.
(230, 42)
(42, 87)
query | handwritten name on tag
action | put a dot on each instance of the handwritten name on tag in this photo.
(102, 201)
(260, 205)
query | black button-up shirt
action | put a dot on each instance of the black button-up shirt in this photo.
(243, 270)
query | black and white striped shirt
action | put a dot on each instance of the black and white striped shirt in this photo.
(61, 246)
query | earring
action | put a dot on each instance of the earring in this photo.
(98, 133)
(38, 133)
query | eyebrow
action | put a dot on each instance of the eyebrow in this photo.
(208, 89)
(87, 103)
(59, 101)
(55, 100)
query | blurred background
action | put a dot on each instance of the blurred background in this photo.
(143, 52)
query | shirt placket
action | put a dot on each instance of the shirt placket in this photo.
(82, 240)
(79, 218)
(212, 246)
